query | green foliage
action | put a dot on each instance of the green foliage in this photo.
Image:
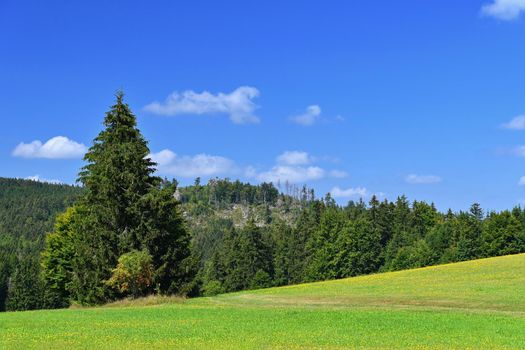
(163, 233)
(124, 208)
(117, 176)
(211, 288)
(25, 287)
(261, 279)
(253, 255)
(133, 274)
(219, 193)
(413, 256)
(242, 261)
(358, 249)
(57, 260)
(324, 245)
(502, 234)
(27, 211)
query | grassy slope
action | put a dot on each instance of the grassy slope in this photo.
(478, 304)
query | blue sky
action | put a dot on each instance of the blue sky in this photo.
(411, 97)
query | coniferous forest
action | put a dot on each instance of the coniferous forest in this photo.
(124, 232)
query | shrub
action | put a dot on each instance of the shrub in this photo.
(133, 274)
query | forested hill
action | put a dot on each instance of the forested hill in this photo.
(27, 211)
(251, 236)
(28, 208)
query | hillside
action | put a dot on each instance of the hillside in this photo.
(27, 211)
(247, 236)
(475, 305)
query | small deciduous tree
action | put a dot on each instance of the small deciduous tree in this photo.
(57, 260)
(133, 274)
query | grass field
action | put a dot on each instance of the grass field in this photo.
(471, 305)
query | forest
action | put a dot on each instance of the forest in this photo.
(27, 212)
(125, 233)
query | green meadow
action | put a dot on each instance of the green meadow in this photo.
(471, 305)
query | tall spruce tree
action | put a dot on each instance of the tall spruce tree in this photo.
(125, 209)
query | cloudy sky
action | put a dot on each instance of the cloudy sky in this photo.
(425, 98)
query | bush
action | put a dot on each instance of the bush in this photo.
(212, 288)
(133, 274)
(261, 280)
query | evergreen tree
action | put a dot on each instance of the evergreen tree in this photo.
(323, 244)
(401, 236)
(502, 234)
(358, 249)
(126, 208)
(226, 264)
(467, 235)
(163, 233)
(282, 251)
(25, 287)
(300, 251)
(439, 240)
(254, 258)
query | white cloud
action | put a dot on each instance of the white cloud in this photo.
(294, 158)
(163, 158)
(58, 147)
(309, 117)
(202, 164)
(422, 179)
(237, 104)
(517, 123)
(291, 166)
(37, 178)
(293, 174)
(294, 167)
(505, 10)
(339, 174)
(360, 192)
(521, 181)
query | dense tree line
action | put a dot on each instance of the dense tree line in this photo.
(329, 241)
(223, 192)
(128, 233)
